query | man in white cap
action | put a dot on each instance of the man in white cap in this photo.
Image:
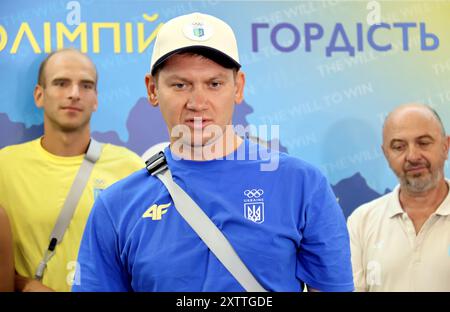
(401, 241)
(272, 228)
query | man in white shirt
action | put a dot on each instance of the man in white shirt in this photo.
(401, 241)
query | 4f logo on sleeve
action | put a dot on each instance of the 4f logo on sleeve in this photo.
(156, 211)
(254, 205)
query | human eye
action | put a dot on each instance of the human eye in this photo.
(215, 84)
(60, 83)
(88, 86)
(424, 143)
(178, 85)
(398, 146)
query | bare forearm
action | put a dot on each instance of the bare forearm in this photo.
(25, 284)
(6, 254)
(6, 279)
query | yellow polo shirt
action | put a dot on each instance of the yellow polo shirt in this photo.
(387, 255)
(33, 187)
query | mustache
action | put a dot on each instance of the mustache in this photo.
(409, 165)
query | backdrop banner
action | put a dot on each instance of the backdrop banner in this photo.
(321, 75)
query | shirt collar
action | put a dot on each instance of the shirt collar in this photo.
(444, 207)
(395, 208)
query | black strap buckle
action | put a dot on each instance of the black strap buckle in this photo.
(52, 244)
(156, 163)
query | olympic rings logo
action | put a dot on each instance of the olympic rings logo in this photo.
(254, 193)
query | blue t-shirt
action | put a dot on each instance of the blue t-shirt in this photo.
(285, 225)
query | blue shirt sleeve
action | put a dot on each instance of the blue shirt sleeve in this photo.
(99, 264)
(323, 261)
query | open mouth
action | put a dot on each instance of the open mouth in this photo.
(198, 122)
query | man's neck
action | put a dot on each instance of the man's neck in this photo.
(420, 206)
(66, 143)
(425, 200)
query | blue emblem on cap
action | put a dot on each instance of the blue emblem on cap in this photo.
(199, 32)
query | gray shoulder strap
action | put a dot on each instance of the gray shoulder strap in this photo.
(209, 233)
(71, 202)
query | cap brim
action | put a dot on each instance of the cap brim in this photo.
(210, 53)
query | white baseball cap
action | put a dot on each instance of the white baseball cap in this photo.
(198, 33)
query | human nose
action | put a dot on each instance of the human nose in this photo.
(74, 93)
(413, 154)
(197, 100)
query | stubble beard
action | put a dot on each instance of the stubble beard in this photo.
(422, 182)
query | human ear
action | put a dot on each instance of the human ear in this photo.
(150, 84)
(240, 84)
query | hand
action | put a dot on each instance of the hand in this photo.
(310, 289)
(25, 284)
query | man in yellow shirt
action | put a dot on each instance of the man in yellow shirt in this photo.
(35, 177)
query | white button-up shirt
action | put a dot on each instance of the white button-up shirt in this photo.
(387, 255)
